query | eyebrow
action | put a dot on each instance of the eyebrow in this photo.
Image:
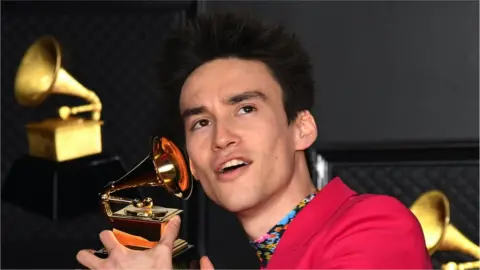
(193, 111)
(235, 99)
(245, 96)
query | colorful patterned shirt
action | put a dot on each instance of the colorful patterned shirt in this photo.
(265, 245)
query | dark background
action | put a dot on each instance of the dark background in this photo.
(386, 71)
(396, 76)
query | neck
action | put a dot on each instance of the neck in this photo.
(258, 220)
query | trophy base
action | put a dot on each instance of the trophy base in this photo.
(149, 227)
(62, 140)
(183, 258)
(60, 190)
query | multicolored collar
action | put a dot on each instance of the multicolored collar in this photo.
(265, 245)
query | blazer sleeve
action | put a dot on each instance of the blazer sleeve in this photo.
(376, 233)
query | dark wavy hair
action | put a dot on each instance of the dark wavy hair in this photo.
(225, 35)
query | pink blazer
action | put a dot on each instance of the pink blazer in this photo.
(342, 229)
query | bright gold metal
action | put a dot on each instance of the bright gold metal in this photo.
(461, 266)
(164, 167)
(432, 210)
(39, 75)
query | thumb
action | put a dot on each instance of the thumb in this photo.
(205, 263)
(169, 235)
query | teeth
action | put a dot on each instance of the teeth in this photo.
(233, 162)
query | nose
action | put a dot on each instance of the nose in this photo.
(224, 136)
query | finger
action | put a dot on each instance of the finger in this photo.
(88, 259)
(109, 240)
(171, 232)
(205, 263)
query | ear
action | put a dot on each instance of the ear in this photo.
(305, 130)
(192, 169)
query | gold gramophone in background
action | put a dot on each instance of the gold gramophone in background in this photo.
(39, 75)
(139, 223)
(432, 209)
(63, 151)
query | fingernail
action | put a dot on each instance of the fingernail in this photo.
(175, 220)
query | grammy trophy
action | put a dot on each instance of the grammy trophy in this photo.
(432, 210)
(63, 151)
(40, 74)
(138, 223)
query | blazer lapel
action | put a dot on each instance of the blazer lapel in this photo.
(310, 220)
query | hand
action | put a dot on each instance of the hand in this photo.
(121, 257)
(205, 263)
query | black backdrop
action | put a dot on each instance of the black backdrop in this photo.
(420, 85)
(385, 71)
(396, 99)
(110, 47)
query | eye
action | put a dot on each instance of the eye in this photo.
(200, 123)
(247, 109)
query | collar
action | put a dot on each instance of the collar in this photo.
(266, 245)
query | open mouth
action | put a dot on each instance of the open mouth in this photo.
(232, 165)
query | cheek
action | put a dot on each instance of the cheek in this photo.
(276, 141)
(271, 132)
(257, 127)
(199, 158)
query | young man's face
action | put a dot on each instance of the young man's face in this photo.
(238, 139)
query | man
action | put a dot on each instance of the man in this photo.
(244, 90)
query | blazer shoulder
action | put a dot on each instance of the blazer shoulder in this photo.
(381, 206)
(367, 235)
(372, 212)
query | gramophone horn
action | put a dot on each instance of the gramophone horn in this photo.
(37, 72)
(171, 166)
(432, 210)
(40, 74)
(164, 167)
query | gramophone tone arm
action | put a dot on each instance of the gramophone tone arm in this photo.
(65, 111)
(147, 202)
(114, 199)
(65, 84)
(107, 199)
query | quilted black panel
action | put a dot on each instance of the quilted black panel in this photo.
(408, 180)
(110, 48)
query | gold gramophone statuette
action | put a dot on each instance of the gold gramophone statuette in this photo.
(140, 223)
(40, 74)
(432, 210)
